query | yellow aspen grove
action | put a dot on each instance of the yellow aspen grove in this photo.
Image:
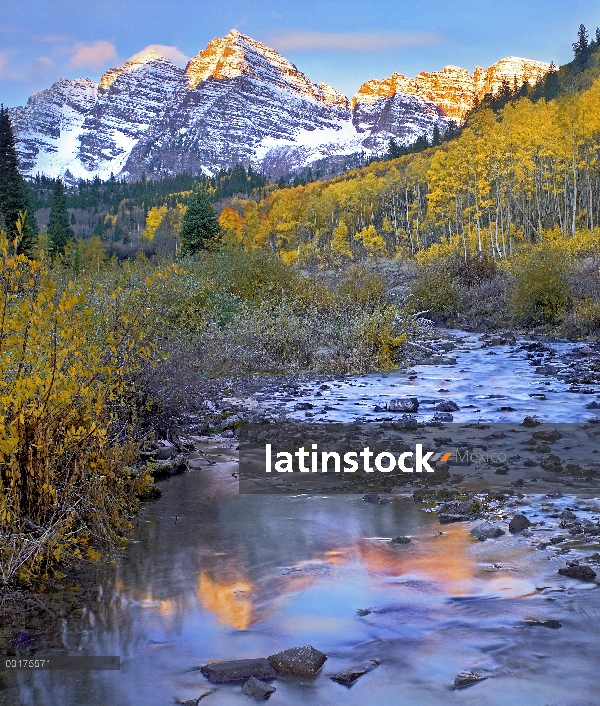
(153, 220)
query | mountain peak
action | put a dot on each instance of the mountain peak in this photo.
(454, 90)
(236, 55)
(142, 58)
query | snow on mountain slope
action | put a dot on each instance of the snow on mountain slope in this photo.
(236, 101)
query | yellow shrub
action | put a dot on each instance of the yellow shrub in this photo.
(67, 356)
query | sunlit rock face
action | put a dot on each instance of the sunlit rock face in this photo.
(453, 90)
(236, 101)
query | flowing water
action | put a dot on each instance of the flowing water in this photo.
(212, 575)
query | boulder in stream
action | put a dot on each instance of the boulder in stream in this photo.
(518, 523)
(404, 404)
(238, 670)
(349, 676)
(581, 572)
(486, 530)
(298, 660)
(372, 498)
(467, 679)
(257, 689)
(400, 540)
(447, 406)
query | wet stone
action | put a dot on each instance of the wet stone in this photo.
(257, 689)
(372, 498)
(518, 523)
(238, 670)
(581, 572)
(552, 624)
(448, 406)
(349, 676)
(406, 404)
(486, 531)
(400, 540)
(467, 679)
(298, 660)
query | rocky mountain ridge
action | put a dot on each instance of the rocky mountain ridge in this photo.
(236, 101)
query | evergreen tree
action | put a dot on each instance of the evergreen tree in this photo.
(395, 150)
(200, 229)
(59, 228)
(551, 87)
(437, 137)
(14, 194)
(581, 47)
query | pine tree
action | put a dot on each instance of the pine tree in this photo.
(14, 194)
(59, 228)
(437, 137)
(200, 229)
(581, 47)
(551, 87)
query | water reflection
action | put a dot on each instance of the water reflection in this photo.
(213, 575)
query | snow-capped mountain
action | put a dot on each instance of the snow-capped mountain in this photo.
(237, 101)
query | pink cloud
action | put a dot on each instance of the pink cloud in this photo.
(93, 56)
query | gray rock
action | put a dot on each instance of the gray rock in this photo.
(371, 498)
(257, 689)
(530, 422)
(546, 370)
(303, 405)
(486, 531)
(446, 518)
(349, 676)
(552, 624)
(581, 572)
(406, 404)
(518, 523)
(238, 670)
(593, 405)
(298, 660)
(467, 679)
(447, 406)
(400, 540)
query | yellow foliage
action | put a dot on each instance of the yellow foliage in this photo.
(153, 220)
(233, 226)
(373, 242)
(67, 354)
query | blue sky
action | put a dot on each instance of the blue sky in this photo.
(340, 42)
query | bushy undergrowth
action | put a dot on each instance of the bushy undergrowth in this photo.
(553, 284)
(86, 355)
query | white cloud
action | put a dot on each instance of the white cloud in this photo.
(350, 41)
(171, 53)
(93, 56)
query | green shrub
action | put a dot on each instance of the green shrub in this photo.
(436, 290)
(541, 279)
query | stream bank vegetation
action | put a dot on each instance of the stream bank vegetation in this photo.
(91, 347)
(497, 227)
